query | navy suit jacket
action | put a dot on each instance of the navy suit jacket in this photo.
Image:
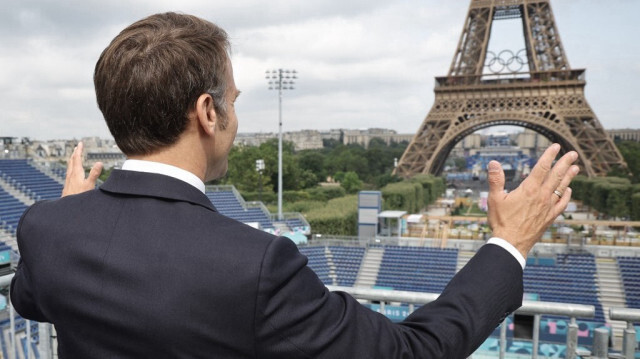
(144, 267)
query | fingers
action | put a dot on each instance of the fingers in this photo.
(71, 165)
(559, 207)
(560, 172)
(542, 168)
(495, 178)
(95, 173)
(566, 180)
(77, 159)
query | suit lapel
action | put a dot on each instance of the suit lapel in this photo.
(154, 185)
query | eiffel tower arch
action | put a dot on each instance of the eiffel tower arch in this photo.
(533, 88)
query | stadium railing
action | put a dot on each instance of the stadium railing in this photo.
(534, 308)
(630, 316)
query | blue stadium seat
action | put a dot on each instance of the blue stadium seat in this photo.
(22, 175)
(420, 269)
(227, 204)
(630, 273)
(571, 280)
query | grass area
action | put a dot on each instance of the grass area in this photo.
(472, 211)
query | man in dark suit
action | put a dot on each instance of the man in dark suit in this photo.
(145, 267)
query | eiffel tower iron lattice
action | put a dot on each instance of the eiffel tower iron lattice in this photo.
(533, 88)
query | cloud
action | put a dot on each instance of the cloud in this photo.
(361, 63)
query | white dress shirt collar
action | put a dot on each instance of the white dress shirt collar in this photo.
(164, 169)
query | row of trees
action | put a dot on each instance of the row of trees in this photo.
(618, 194)
(615, 197)
(353, 166)
(630, 151)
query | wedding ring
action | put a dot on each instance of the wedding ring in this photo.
(558, 193)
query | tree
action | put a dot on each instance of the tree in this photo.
(331, 143)
(630, 151)
(460, 163)
(103, 175)
(290, 169)
(617, 203)
(242, 169)
(635, 207)
(304, 169)
(349, 158)
(351, 183)
(312, 161)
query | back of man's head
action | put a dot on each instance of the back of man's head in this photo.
(151, 75)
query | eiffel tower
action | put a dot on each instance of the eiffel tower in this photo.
(533, 88)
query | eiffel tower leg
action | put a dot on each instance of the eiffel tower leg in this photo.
(598, 154)
(419, 155)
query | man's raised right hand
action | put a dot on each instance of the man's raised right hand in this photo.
(523, 215)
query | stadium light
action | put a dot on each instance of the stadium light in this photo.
(280, 79)
(259, 169)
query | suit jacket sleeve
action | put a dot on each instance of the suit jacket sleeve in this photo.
(297, 317)
(22, 288)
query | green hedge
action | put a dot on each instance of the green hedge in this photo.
(579, 187)
(618, 202)
(303, 206)
(414, 194)
(406, 196)
(610, 195)
(295, 196)
(326, 193)
(339, 216)
(635, 207)
(428, 190)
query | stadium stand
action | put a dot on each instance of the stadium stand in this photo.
(419, 269)
(318, 262)
(25, 177)
(294, 223)
(228, 202)
(22, 175)
(347, 262)
(630, 273)
(571, 279)
(10, 211)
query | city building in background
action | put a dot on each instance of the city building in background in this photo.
(625, 134)
(364, 137)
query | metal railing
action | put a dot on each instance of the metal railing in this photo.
(536, 309)
(630, 316)
(552, 77)
(288, 216)
(46, 336)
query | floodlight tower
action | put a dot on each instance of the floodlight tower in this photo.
(280, 79)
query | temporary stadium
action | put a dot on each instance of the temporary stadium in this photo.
(579, 297)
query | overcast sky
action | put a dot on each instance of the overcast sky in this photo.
(361, 63)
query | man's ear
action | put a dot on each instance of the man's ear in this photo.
(206, 114)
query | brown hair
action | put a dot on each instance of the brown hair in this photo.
(153, 72)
